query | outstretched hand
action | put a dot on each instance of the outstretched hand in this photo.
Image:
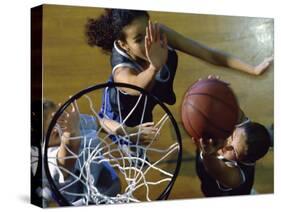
(147, 132)
(70, 121)
(263, 66)
(209, 146)
(156, 47)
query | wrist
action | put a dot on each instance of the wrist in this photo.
(71, 134)
(154, 68)
(204, 155)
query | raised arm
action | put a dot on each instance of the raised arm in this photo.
(147, 130)
(211, 55)
(70, 125)
(144, 79)
(226, 174)
(156, 52)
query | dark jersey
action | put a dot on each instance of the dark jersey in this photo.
(162, 89)
(211, 187)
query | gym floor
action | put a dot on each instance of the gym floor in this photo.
(71, 65)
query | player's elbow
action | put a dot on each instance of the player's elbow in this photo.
(129, 91)
(233, 181)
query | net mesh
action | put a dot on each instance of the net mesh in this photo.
(111, 168)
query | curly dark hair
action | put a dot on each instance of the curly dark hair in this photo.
(103, 31)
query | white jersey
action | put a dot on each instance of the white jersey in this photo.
(73, 186)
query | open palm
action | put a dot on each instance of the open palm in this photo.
(155, 46)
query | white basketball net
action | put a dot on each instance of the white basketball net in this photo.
(141, 179)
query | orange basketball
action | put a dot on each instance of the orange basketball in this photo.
(209, 110)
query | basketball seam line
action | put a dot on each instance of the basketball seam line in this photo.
(216, 98)
(192, 128)
(209, 81)
(208, 120)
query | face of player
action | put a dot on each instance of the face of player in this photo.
(236, 148)
(135, 38)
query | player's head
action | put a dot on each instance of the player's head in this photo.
(250, 142)
(127, 27)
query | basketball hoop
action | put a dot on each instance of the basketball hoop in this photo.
(139, 172)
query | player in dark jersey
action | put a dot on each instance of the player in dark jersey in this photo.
(162, 88)
(228, 168)
(143, 54)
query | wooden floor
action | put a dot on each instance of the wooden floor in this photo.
(71, 65)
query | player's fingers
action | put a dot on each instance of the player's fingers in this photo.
(217, 77)
(153, 32)
(157, 31)
(76, 106)
(149, 129)
(228, 148)
(147, 35)
(72, 105)
(65, 114)
(147, 46)
(61, 120)
(165, 40)
(213, 77)
(201, 142)
(193, 140)
(157, 135)
(150, 30)
(147, 124)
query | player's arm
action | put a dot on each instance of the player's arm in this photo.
(146, 131)
(70, 139)
(211, 55)
(227, 174)
(143, 79)
(156, 53)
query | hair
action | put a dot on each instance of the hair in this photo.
(47, 104)
(103, 31)
(258, 141)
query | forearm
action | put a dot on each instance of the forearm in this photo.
(144, 79)
(205, 53)
(70, 143)
(115, 128)
(54, 142)
(214, 56)
(230, 61)
(225, 175)
(111, 127)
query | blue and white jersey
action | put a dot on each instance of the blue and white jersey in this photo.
(162, 89)
(102, 174)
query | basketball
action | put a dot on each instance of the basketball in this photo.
(209, 110)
